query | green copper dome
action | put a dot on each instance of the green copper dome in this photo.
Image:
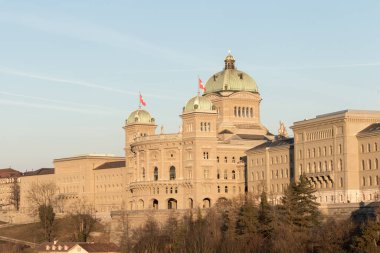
(230, 79)
(199, 103)
(140, 116)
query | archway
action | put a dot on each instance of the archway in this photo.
(155, 204)
(206, 203)
(172, 203)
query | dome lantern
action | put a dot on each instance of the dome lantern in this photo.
(229, 61)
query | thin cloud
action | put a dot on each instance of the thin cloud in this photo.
(55, 101)
(63, 81)
(7, 102)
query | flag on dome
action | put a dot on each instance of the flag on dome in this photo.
(142, 101)
(201, 86)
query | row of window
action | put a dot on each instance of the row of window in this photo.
(280, 188)
(312, 153)
(363, 150)
(245, 112)
(226, 159)
(324, 134)
(168, 190)
(172, 173)
(226, 189)
(321, 167)
(225, 174)
(369, 182)
(368, 165)
(205, 126)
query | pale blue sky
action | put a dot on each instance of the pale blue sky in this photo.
(70, 71)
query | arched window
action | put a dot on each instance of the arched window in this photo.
(331, 165)
(155, 174)
(218, 174)
(369, 147)
(206, 203)
(341, 182)
(375, 146)
(172, 173)
(326, 167)
(226, 189)
(243, 111)
(172, 203)
(363, 181)
(235, 113)
(340, 164)
(370, 181)
(191, 203)
(155, 204)
(376, 164)
(251, 110)
(239, 111)
(363, 165)
(218, 189)
(369, 164)
(233, 174)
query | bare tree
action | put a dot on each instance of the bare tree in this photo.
(82, 220)
(14, 197)
(42, 194)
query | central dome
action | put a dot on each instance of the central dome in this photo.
(230, 79)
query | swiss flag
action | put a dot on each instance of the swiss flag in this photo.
(142, 100)
(200, 85)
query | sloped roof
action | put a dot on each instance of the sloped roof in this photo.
(111, 165)
(252, 137)
(42, 171)
(9, 172)
(373, 128)
(100, 247)
(276, 143)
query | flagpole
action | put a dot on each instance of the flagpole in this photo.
(139, 100)
(198, 87)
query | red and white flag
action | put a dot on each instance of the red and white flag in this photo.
(142, 101)
(201, 86)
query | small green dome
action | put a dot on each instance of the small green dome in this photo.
(140, 116)
(230, 79)
(199, 103)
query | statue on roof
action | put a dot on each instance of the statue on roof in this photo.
(282, 133)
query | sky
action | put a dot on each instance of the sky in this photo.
(71, 71)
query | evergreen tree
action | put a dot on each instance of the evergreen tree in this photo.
(247, 221)
(265, 217)
(300, 206)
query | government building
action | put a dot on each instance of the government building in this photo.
(221, 152)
